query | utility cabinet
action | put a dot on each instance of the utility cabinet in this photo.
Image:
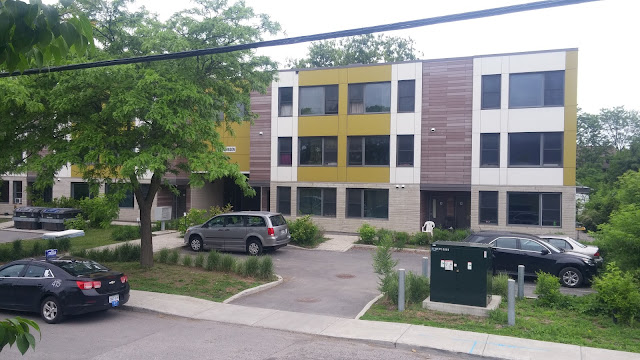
(461, 273)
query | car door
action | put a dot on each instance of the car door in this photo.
(29, 287)
(213, 232)
(235, 230)
(535, 257)
(505, 254)
(8, 277)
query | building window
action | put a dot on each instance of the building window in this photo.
(534, 209)
(368, 150)
(285, 101)
(284, 200)
(80, 190)
(317, 201)
(368, 203)
(284, 151)
(370, 98)
(491, 91)
(125, 195)
(17, 192)
(405, 150)
(535, 149)
(406, 95)
(320, 151)
(489, 150)
(4, 191)
(319, 100)
(488, 206)
(536, 89)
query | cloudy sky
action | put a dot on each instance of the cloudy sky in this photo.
(605, 32)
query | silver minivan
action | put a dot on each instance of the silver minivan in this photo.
(245, 231)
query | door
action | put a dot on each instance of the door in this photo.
(235, 230)
(213, 232)
(533, 258)
(8, 276)
(505, 255)
(463, 212)
(439, 211)
(28, 288)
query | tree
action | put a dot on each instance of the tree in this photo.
(363, 49)
(620, 126)
(34, 34)
(592, 149)
(118, 124)
(17, 331)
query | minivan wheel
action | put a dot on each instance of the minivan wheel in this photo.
(195, 243)
(570, 277)
(50, 310)
(254, 247)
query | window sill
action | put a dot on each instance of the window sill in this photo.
(486, 223)
(368, 166)
(493, 108)
(405, 166)
(370, 113)
(535, 107)
(310, 115)
(280, 165)
(535, 166)
(365, 217)
(538, 226)
(301, 165)
(406, 112)
(490, 166)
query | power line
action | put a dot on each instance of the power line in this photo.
(307, 38)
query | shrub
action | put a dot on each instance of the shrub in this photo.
(383, 262)
(401, 238)
(383, 235)
(38, 249)
(367, 234)
(77, 223)
(548, 290)
(163, 256)
(389, 287)
(174, 257)
(100, 211)
(194, 217)
(106, 255)
(460, 234)
(187, 261)
(64, 244)
(122, 252)
(199, 260)
(227, 263)
(421, 238)
(5, 254)
(500, 284)
(266, 268)
(304, 232)
(213, 261)
(417, 288)
(619, 239)
(52, 244)
(252, 266)
(618, 293)
(17, 252)
(124, 233)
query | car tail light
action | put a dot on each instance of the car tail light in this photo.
(271, 232)
(597, 253)
(124, 279)
(97, 284)
(85, 285)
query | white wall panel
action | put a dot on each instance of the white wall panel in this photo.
(537, 62)
(477, 66)
(489, 176)
(536, 119)
(535, 176)
(477, 93)
(475, 150)
(491, 65)
(405, 123)
(286, 78)
(490, 121)
(404, 175)
(406, 71)
(285, 126)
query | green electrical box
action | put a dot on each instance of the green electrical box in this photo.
(461, 273)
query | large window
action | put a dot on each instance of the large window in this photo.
(405, 150)
(535, 149)
(317, 201)
(488, 206)
(534, 209)
(320, 151)
(284, 151)
(536, 89)
(368, 150)
(17, 192)
(370, 98)
(4, 191)
(319, 100)
(285, 101)
(489, 150)
(284, 200)
(406, 95)
(491, 91)
(80, 190)
(126, 200)
(368, 203)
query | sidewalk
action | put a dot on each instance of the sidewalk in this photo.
(338, 242)
(391, 334)
(168, 239)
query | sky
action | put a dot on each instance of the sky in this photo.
(605, 32)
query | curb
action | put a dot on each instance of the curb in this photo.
(408, 250)
(255, 290)
(368, 306)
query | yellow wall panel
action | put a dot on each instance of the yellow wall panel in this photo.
(240, 159)
(318, 173)
(75, 171)
(240, 130)
(571, 87)
(569, 158)
(373, 124)
(319, 77)
(571, 60)
(570, 117)
(362, 74)
(368, 174)
(343, 98)
(318, 125)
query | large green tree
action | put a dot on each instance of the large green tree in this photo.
(363, 49)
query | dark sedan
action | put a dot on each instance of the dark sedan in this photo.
(513, 249)
(59, 286)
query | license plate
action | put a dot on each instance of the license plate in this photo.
(114, 300)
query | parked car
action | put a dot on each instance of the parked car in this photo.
(569, 244)
(60, 286)
(245, 231)
(513, 249)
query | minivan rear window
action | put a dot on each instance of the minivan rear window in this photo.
(277, 220)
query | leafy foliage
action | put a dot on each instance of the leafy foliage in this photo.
(124, 233)
(383, 262)
(123, 253)
(421, 238)
(16, 331)
(500, 285)
(77, 223)
(199, 216)
(548, 290)
(367, 233)
(304, 232)
(619, 292)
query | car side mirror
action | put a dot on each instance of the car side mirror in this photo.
(544, 251)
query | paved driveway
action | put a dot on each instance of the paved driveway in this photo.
(9, 236)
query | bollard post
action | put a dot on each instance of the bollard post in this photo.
(401, 290)
(425, 267)
(520, 281)
(511, 302)
(162, 225)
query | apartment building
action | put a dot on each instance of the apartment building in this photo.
(480, 142)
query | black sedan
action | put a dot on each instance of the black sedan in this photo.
(513, 249)
(59, 286)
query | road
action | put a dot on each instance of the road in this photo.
(121, 334)
(9, 236)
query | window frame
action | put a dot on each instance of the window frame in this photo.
(362, 195)
(544, 75)
(5, 194)
(412, 97)
(483, 92)
(323, 201)
(483, 163)
(323, 160)
(281, 103)
(541, 142)
(363, 150)
(406, 151)
(325, 100)
(481, 207)
(73, 184)
(364, 98)
(123, 203)
(540, 208)
(280, 151)
(279, 191)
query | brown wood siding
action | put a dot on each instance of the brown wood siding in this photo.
(260, 155)
(447, 94)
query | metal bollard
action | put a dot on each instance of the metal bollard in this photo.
(400, 289)
(520, 281)
(511, 302)
(425, 266)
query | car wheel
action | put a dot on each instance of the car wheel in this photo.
(254, 247)
(570, 277)
(50, 310)
(195, 243)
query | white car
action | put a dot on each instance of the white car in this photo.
(569, 244)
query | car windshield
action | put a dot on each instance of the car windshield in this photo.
(80, 267)
(277, 220)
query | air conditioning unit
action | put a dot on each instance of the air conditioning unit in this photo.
(17, 200)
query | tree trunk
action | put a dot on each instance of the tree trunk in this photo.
(146, 240)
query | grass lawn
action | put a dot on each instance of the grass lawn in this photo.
(532, 322)
(4, 220)
(189, 281)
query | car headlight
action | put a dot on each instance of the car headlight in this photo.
(589, 262)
